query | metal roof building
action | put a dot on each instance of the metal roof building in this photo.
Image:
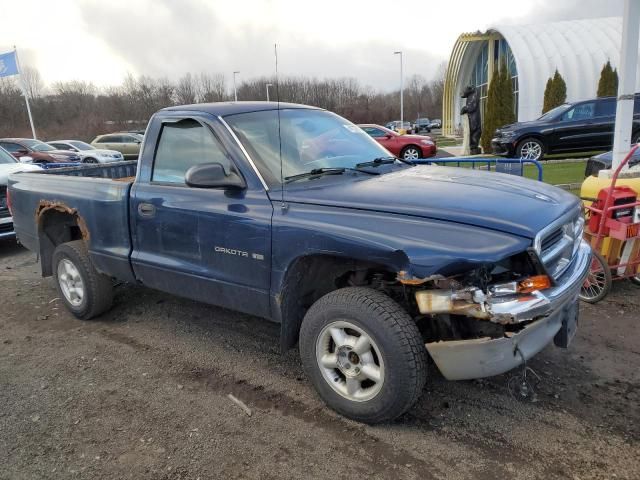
(577, 48)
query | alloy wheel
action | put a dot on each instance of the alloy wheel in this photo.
(71, 282)
(350, 361)
(531, 151)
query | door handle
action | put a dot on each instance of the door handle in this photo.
(146, 210)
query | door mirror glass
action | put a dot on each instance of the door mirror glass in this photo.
(212, 175)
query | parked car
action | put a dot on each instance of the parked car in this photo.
(126, 143)
(603, 161)
(421, 125)
(570, 128)
(88, 153)
(294, 215)
(436, 123)
(37, 151)
(8, 165)
(409, 147)
(398, 126)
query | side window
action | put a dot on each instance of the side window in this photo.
(374, 132)
(183, 145)
(60, 146)
(584, 111)
(10, 147)
(108, 139)
(606, 108)
(129, 139)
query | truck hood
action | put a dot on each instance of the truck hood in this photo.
(502, 202)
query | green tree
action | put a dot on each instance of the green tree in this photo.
(555, 92)
(547, 96)
(500, 109)
(608, 83)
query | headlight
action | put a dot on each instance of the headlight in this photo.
(507, 134)
(426, 142)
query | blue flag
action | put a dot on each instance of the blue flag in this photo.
(8, 64)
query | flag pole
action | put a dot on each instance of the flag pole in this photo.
(24, 92)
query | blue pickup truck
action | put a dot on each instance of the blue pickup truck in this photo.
(371, 264)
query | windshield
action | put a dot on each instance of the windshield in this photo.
(555, 112)
(81, 145)
(37, 145)
(310, 139)
(6, 157)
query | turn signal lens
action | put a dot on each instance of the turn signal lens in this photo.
(531, 284)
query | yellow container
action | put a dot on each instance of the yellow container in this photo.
(611, 249)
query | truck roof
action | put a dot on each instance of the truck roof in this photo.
(232, 108)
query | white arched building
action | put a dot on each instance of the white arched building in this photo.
(577, 48)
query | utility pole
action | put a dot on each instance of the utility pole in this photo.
(401, 91)
(268, 85)
(627, 85)
(235, 90)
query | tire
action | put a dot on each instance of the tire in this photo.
(411, 152)
(90, 160)
(530, 149)
(395, 347)
(598, 284)
(635, 280)
(85, 292)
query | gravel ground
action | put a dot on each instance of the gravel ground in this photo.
(142, 393)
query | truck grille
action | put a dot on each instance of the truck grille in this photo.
(4, 211)
(6, 227)
(557, 243)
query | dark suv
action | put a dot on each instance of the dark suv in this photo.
(570, 128)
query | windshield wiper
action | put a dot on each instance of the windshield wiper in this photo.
(317, 172)
(383, 161)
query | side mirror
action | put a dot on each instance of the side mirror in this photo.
(22, 151)
(26, 159)
(213, 175)
(388, 136)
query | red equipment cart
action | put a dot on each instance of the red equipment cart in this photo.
(613, 230)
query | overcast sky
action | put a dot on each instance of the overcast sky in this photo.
(102, 40)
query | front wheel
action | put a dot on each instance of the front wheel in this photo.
(411, 153)
(85, 292)
(598, 283)
(530, 149)
(90, 160)
(364, 354)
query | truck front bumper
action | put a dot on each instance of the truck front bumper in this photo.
(554, 316)
(6, 228)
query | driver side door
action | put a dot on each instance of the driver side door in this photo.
(208, 244)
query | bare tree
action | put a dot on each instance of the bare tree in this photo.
(186, 90)
(31, 81)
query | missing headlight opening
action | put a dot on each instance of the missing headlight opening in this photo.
(507, 292)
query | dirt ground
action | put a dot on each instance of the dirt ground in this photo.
(142, 393)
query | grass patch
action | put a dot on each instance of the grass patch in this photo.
(557, 173)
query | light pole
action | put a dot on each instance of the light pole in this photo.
(235, 91)
(268, 85)
(401, 91)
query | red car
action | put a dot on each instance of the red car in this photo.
(409, 147)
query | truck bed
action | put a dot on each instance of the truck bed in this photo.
(115, 171)
(98, 198)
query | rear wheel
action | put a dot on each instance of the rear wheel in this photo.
(90, 160)
(363, 354)
(530, 149)
(85, 292)
(598, 283)
(411, 152)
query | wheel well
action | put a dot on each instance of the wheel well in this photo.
(56, 226)
(310, 278)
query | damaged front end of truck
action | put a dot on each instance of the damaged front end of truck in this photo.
(491, 319)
